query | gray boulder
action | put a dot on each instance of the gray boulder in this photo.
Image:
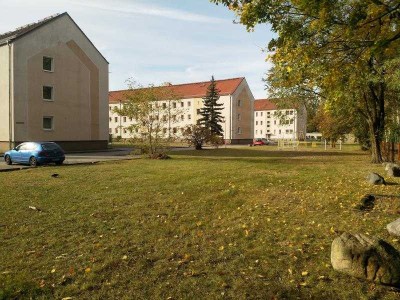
(394, 227)
(393, 170)
(366, 258)
(375, 178)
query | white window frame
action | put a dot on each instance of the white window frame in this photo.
(52, 123)
(52, 93)
(52, 64)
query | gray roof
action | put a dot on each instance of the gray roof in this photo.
(13, 35)
(9, 37)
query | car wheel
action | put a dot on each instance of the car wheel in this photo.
(8, 160)
(33, 161)
(59, 163)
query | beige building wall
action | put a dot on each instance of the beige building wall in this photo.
(242, 113)
(5, 55)
(79, 80)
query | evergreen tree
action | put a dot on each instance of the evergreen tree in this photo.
(211, 113)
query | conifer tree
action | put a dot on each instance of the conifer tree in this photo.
(211, 113)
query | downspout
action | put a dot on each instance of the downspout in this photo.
(10, 121)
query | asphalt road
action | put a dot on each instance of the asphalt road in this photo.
(80, 158)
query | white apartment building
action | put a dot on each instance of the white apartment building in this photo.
(235, 95)
(273, 123)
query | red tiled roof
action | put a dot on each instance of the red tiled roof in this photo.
(264, 104)
(187, 90)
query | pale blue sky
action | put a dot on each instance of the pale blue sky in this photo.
(156, 41)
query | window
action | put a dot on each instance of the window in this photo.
(256, 131)
(274, 122)
(164, 118)
(124, 119)
(287, 131)
(174, 117)
(267, 130)
(131, 119)
(182, 117)
(109, 130)
(174, 104)
(116, 130)
(280, 131)
(47, 93)
(291, 121)
(239, 117)
(110, 108)
(239, 130)
(164, 105)
(198, 111)
(256, 122)
(256, 114)
(239, 102)
(261, 114)
(164, 130)
(260, 131)
(268, 125)
(287, 112)
(189, 103)
(268, 122)
(182, 104)
(291, 112)
(115, 119)
(110, 119)
(48, 64)
(261, 122)
(48, 123)
(174, 130)
(189, 117)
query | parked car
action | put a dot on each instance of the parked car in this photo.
(35, 153)
(260, 142)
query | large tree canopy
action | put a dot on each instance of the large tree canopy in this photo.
(345, 52)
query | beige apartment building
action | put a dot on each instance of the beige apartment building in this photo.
(275, 123)
(53, 86)
(235, 95)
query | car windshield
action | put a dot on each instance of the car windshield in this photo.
(50, 146)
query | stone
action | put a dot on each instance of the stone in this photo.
(393, 170)
(394, 227)
(375, 178)
(367, 202)
(366, 258)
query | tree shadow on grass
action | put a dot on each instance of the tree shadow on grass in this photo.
(269, 153)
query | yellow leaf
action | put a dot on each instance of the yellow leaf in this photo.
(221, 248)
(87, 270)
(305, 273)
(53, 271)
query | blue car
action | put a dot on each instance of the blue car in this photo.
(35, 153)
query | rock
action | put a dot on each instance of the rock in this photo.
(394, 227)
(393, 170)
(374, 178)
(366, 258)
(367, 202)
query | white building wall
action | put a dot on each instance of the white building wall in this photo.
(278, 124)
(185, 115)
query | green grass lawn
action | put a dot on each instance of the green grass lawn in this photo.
(245, 223)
